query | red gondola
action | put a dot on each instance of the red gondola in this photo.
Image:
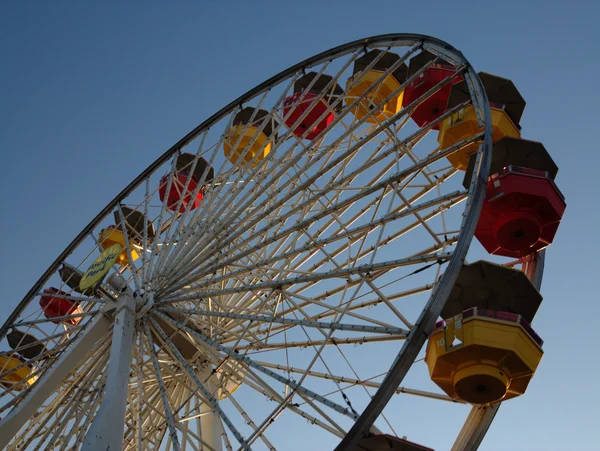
(177, 192)
(183, 176)
(300, 102)
(385, 442)
(521, 212)
(435, 105)
(54, 307)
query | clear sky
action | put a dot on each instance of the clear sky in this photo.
(93, 92)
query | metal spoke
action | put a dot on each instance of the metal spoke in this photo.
(209, 397)
(270, 319)
(161, 388)
(252, 364)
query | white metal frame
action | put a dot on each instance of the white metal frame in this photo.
(236, 286)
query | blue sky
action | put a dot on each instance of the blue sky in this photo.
(92, 94)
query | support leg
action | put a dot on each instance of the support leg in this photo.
(15, 420)
(211, 430)
(106, 431)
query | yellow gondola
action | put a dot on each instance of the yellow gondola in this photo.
(375, 99)
(14, 373)
(483, 356)
(250, 137)
(112, 235)
(506, 106)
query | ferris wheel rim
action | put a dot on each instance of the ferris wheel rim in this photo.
(406, 38)
(475, 190)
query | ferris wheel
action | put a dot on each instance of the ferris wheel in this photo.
(279, 274)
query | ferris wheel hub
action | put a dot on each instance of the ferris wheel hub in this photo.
(118, 282)
(143, 304)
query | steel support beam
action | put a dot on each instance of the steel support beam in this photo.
(480, 418)
(209, 421)
(50, 381)
(106, 431)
